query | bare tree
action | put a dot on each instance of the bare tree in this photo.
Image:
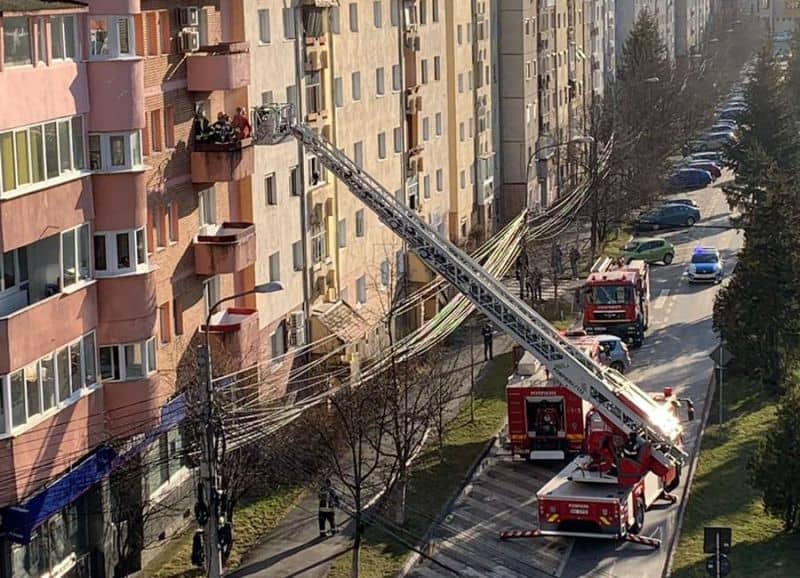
(444, 384)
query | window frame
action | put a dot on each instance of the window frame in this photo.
(80, 277)
(264, 27)
(150, 362)
(30, 29)
(270, 190)
(113, 40)
(360, 224)
(132, 140)
(380, 81)
(274, 261)
(112, 257)
(61, 20)
(352, 10)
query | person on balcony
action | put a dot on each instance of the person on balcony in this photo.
(241, 124)
(201, 127)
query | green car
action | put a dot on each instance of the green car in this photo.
(649, 249)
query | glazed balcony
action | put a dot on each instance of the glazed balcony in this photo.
(225, 66)
(415, 163)
(316, 57)
(222, 163)
(236, 330)
(226, 248)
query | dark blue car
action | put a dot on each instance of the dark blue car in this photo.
(669, 215)
(689, 178)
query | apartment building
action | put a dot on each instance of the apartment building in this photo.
(627, 12)
(132, 230)
(600, 44)
(691, 18)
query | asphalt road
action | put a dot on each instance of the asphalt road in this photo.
(675, 354)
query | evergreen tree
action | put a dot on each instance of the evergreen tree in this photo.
(793, 75)
(644, 54)
(775, 467)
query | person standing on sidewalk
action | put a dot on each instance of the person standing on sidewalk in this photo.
(328, 502)
(521, 277)
(535, 281)
(488, 335)
(557, 259)
(574, 257)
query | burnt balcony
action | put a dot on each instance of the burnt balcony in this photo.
(224, 66)
(235, 329)
(415, 163)
(413, 101)
(316, 58)
(225, 248)
(222, 162)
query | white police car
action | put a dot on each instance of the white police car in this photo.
(705, 266)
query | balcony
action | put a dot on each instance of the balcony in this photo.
(226, 248)
(126, 307)
(413, 101)
(415, 164)
(236, 330)
(411, 62)
(225, 66)
(485, 192)
(222, 163)
(316, 58)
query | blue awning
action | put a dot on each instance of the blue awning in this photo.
(172, 414)
(22, 520)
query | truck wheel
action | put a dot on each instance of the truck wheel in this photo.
(638, 516)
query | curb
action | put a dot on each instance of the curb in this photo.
(462, 490)
(684, 502)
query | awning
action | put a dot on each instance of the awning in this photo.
(172, 414)
(22, 520)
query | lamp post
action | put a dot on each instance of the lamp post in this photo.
(209, 460)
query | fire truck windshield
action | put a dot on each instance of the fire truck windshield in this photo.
(610, 295)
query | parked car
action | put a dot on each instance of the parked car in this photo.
(713, 156)
(709, 166)
(725, 125)
(706, 265)
(614, 352)
(649, 249)
(690, 178)
(689, 202)
(669, 216)
(731, 113)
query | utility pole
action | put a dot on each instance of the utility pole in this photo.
(208, 465)
(595, 204)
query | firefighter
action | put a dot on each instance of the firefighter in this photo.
(328, 502)
(487, 342)
(632, 447)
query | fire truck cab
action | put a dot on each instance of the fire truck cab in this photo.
(616, 299)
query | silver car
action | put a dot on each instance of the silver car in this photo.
(614, 352)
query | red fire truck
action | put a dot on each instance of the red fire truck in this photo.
(545, 419)
(616, 299)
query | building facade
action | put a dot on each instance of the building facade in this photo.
(627, 12)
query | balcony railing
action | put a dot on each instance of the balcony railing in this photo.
(227, 248)
(225, 66)
(236, 328)
(222, 162)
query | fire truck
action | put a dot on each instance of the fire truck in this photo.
(624, 410)
(616, 299)
(545, 419)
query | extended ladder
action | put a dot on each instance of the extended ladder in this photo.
(619, 400)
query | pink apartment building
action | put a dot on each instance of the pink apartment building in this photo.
(117, 232)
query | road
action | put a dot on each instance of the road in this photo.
(675, 354)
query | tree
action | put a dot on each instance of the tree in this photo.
(793, 75)
(444, 385)
(775, 468)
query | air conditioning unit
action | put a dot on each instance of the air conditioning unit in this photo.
(189, 41)
(188, 16)
(297, 328)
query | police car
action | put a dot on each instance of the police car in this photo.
(705, 266)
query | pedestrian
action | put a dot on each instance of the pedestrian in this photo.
(556, 259)
(574, 257)
(328, 502)
(520, 275)
(536, 282)
(487, 342)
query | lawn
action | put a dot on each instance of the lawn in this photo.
(721, 496)
(433, 480)
(253, 519)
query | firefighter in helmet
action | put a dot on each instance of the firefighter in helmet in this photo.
(632, 447)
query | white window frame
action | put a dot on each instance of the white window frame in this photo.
(31, 55)
(133, 151)
(79, 276)
(207, 207)
(289, 27)
(149, 360)
(112, 258)
(264, 27)
(113, 40)
(439, 180)
(61, 22)
(338, 92)
(314, 163)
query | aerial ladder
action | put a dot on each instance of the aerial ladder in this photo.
(619, 400)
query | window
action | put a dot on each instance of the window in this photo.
(380, 87)
(74, 256)
(356, 85)
(297, 256)
(33, 155)
(270, 190)
(461, 131)
(278, 343)
(459, 33)
(426, 129)
(317, 175)
(207, 203)
(169, 127)
(289, 31)
(341, 233)
(439, 180)
(211, 292)
(385, 273)
(267, 97)
(424, 69)
(111, 37)
(382, 145)
(336, 26)
(315, 99)
(469, 32)
(177, 315)
(128, 362)
(319, 242)
(275, 267)
(120, 252)
(438, 123)
(263, 27)
(353, 8)
(361, 290)
(435, 10)
(164, 323)
(528, 70)
(17, 49)
(377, 13)
(47, 382)
(155, 136)
(398, 140)
(463, 179)
(358, 154)
(423, 12)
(426, 186)
(294, 181)
(437, 68)
(114, 152)
(360, 223)
(338, 92)
(397, 78)
(41, 51)
(394, 12)
(291, 95)
(62, 37)
(460, 82)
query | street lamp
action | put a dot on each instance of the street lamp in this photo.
(208, 465)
